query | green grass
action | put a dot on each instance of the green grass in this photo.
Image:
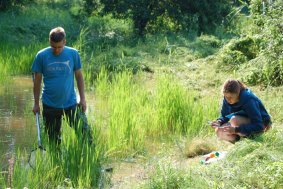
(135, 111)
(74, 164)
(134, 53)
(134, 108)
(259, 161)
(102, 41)
(166, 176)
(26, 31)
(17, 60)
(32, 24)
(249, 164)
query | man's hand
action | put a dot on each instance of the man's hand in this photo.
(82, 104)
(36, 109)
(80, 83)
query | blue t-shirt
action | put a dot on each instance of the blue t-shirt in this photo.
(58, 76)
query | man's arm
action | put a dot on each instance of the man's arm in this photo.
(80, 84)
(37, 77)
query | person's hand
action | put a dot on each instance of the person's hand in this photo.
(36, 109)
(215, 124)
(230, 129)
(83, 105)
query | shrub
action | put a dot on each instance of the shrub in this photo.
(268, 24)
(230, 57)
(239, 51)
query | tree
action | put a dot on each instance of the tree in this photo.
(141, 12)
(5, 4)
(205, 13)
(90, 5)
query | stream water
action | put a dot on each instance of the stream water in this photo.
(17, 126)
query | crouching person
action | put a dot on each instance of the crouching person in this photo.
(242, 114)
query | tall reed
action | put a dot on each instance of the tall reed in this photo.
(179, 110)
(125, 132)
(17, 60)
(131, 111)
(80, 160)
(75, 163)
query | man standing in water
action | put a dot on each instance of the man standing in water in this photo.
(58, 65)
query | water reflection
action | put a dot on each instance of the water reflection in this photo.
(17, 129)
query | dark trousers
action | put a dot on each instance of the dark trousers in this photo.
(52, 118)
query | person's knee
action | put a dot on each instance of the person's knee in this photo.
(234, 121)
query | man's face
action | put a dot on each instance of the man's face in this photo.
(57, 47)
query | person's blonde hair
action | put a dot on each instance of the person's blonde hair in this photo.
(233, 86)
(57, 34)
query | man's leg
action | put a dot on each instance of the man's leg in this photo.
(52, 118)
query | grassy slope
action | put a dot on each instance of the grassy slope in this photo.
(205, 76)
(173, 169)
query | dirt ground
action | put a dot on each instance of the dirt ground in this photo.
(132, 173)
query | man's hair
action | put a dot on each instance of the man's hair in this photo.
(57, 34)
(233, 86)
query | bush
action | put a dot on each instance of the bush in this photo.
(239, 51)
(268, 27)
(231, 58)
(6, 4)
(247, 45)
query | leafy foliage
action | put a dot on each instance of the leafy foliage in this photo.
(90, 5)
(203, 15)
(259, 45)
(5, 4)
(269, 29)
(238, 51)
